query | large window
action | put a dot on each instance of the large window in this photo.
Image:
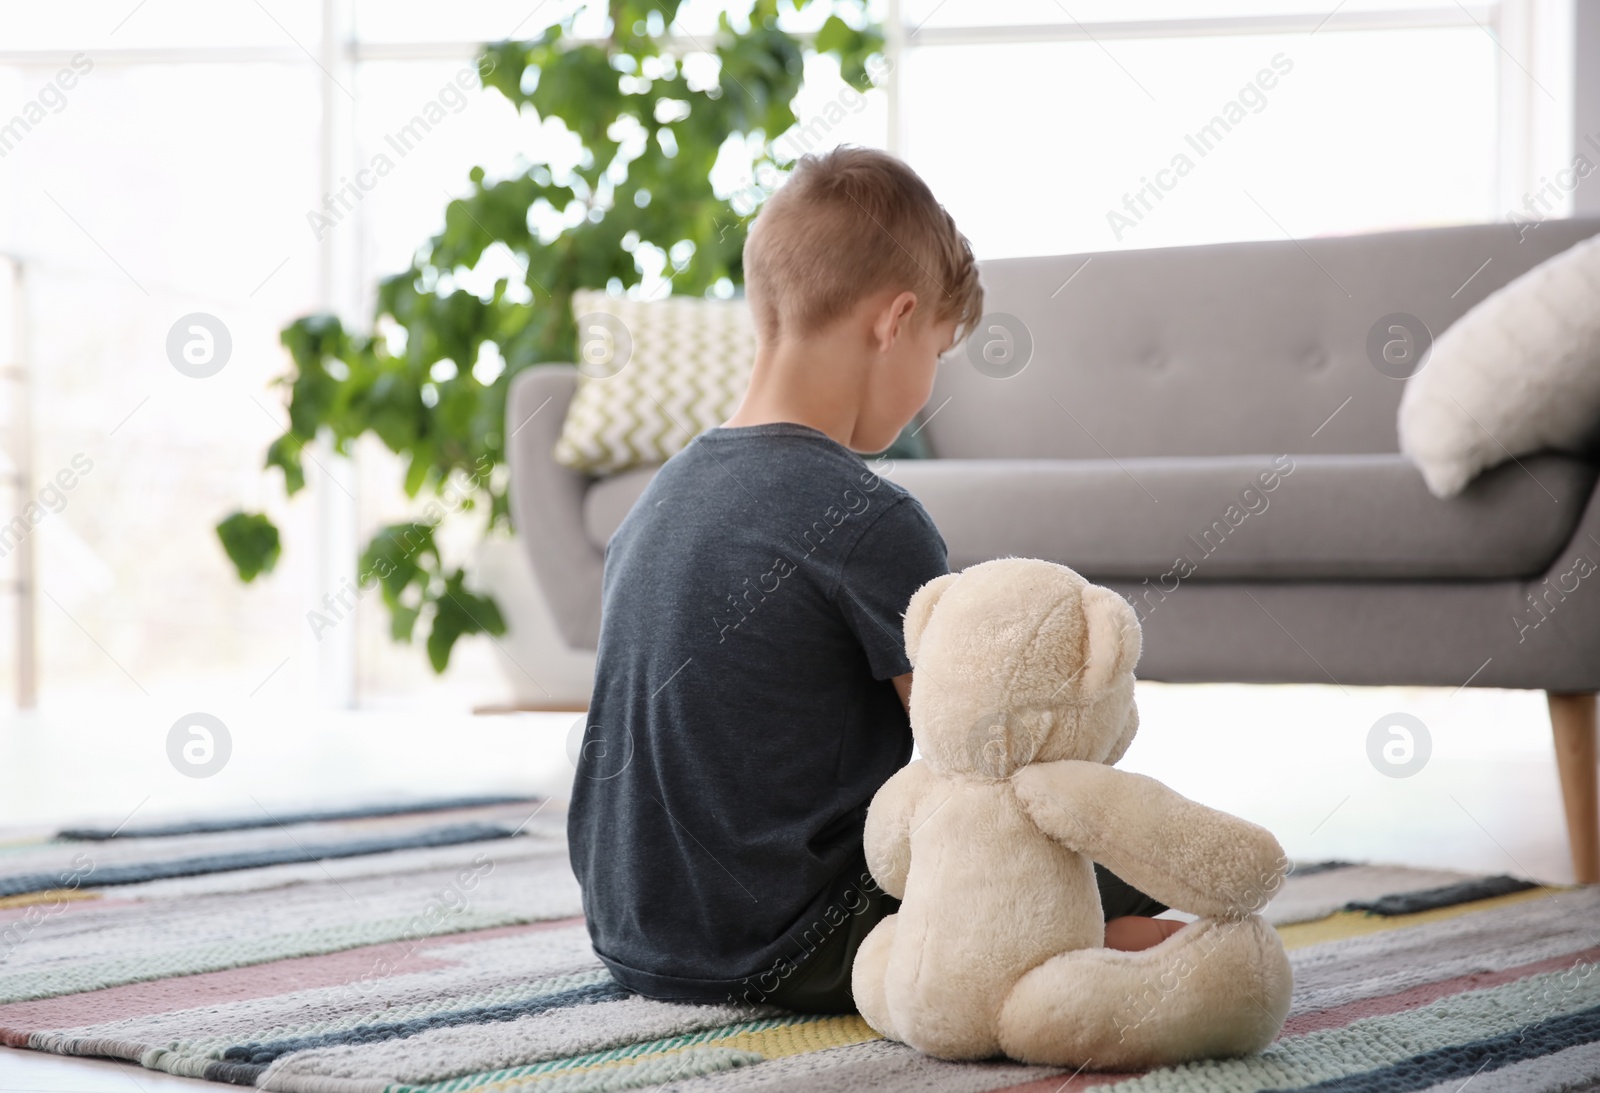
(1159, 142)
(176, 175)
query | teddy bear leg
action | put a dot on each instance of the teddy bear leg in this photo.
(869, 976)
(1212, 989)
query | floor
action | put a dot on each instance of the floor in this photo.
(1305, 761)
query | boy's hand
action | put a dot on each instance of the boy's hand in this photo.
(902, 684)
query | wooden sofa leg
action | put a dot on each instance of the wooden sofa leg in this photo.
(1572, 719)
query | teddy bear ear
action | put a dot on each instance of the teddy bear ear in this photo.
(1115, 640)
(920, 610)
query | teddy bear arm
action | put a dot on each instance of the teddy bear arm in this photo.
(887, 838)
(1178, 851)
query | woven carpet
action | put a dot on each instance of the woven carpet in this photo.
(439, 949)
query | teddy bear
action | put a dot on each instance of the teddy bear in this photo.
(1021, 702)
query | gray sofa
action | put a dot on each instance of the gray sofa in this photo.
(1161, 386)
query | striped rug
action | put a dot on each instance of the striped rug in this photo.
(439, 949)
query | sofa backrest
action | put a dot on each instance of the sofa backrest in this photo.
(1230, 349)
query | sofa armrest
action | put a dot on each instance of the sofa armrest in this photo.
(547, 502)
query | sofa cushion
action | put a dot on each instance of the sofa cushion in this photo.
(1303, 517)
(652, 375)
(1518, 373)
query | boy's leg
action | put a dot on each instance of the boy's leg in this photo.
(821, 982)
(1118, 897)
(1131, 924)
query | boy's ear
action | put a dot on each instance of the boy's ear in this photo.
(920, 610)
(894, 319)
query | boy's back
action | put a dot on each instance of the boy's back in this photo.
(743, 714)
(751, 671)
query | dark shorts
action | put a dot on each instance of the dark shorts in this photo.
(821, 982)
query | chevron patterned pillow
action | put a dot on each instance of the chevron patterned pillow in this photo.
(653, 374)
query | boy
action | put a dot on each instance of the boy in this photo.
(751, 679)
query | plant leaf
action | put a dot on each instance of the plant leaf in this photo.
(251, 542)
(457, 612)
(399, 556)
(402, 620)
(285, 455)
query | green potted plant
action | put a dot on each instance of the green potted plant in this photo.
(430, 381)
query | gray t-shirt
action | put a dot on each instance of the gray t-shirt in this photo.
(743, 714)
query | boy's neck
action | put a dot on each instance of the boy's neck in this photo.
(816, 382)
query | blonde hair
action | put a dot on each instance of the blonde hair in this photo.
(846, 225)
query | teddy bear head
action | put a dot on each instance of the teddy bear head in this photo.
(1020, 661)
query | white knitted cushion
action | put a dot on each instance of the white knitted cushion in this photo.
(652, 376)
(1518, 373)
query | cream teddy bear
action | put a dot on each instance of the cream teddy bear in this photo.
(1022, 701)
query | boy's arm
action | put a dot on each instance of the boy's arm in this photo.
(902, 685)
(1186, 855)
(898, 552)
(887, 839)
